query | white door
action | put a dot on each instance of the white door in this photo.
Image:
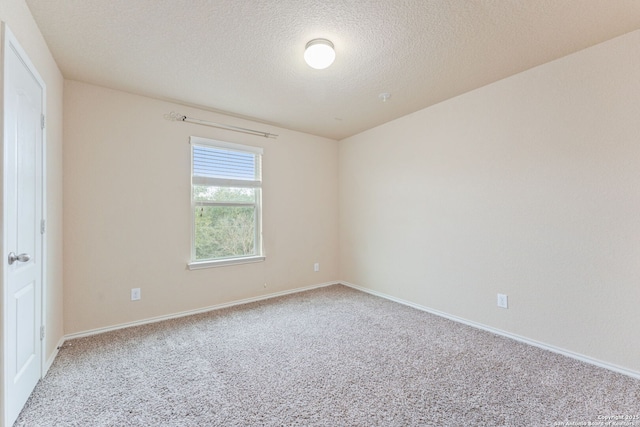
(22, 196)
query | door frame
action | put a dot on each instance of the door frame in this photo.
(9, 41)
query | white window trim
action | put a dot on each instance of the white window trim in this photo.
(198, 265)
(196, 140)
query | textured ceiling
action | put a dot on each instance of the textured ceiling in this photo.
(244, 57)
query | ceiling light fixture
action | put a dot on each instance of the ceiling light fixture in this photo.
(319, 53)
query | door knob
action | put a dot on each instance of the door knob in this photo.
(20, 258)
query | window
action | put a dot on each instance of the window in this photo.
(226, 184)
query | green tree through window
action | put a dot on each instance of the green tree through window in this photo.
(226, 200)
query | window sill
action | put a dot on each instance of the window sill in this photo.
(198, 265)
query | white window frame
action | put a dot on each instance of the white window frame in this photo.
(259, 256)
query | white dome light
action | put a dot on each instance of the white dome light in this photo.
(319, 53)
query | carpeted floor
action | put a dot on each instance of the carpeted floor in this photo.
(332, 356)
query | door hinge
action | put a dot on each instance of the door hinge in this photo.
(41, 332)
(43, 226)
(42, 121)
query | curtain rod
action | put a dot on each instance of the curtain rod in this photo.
(182, 118)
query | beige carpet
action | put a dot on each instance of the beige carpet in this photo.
(327, 357)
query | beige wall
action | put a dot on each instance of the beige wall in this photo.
(127, 210)
(17, 16)
(529, 187)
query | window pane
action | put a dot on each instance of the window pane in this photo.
(203, 193)
(224, 231)
(218, 163)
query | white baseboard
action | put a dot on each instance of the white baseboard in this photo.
(52, 357)
(192, 312)
(581, 357)
(577, 356)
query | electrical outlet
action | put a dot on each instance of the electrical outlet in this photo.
(316, 266)
(265, 285)
(135, 294)
(503, 301)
